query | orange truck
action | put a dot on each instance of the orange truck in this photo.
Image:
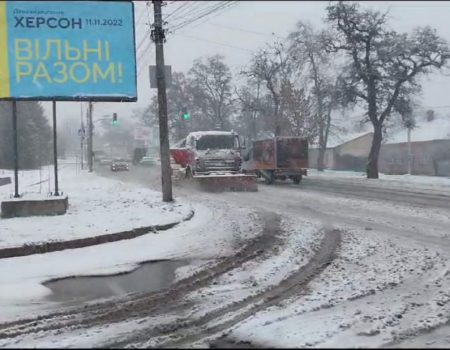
(277, 158)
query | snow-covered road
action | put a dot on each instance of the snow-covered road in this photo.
(336, 262)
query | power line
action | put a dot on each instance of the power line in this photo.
(144, 61)
(201, 15)
(193, 9)
(214, 14)
(184, 4)
(213, 42)
(148, 46)
(430, 107)
(141, 16)
(246, 30)
(221, 6)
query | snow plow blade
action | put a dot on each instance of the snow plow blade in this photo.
(227, 183)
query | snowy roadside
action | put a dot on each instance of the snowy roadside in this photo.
(400, 181)
(97, 206)
(209, 234)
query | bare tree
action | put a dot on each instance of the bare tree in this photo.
(178, 98)
(298, 111)
(211, 90)
(248, 98)
(308, 50)
(272, 67)
(384, 65)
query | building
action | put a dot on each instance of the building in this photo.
(427, 158)
(430, 151)
(350, 155)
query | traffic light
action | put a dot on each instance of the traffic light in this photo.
(186, 115)
(114, 121)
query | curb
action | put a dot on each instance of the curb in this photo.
(49, 247)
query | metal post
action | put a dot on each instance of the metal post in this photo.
(82, 150)
(90, 143)
(81, 135)
(55, 148)
(166, 171)
(409, 151)
(16, 154)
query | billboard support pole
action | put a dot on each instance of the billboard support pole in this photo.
(90, 143)
(82, 135)
(166, 170)
(16, 154)
(55, 148)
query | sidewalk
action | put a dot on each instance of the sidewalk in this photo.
(100, 211)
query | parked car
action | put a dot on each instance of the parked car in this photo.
(147, 161)
(118, 164)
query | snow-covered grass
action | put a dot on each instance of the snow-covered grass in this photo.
(97, 206)
(412, 181)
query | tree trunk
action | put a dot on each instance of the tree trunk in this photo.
(320, 159)
(372, 164)
(323, 140)
(322, 146)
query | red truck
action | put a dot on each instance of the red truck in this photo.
(213, 158)
(206, 152)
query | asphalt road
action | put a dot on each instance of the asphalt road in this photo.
(408, 216)
(417, 213)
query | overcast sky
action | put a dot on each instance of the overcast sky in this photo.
(239, 30)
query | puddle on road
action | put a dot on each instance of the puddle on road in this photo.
(149, 277)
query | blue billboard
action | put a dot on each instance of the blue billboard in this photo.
(67, 50)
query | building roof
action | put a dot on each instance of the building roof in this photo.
(437, 129)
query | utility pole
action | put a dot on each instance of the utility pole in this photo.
(158, 37)
(90, 143)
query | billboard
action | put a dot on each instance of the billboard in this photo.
(67, 50)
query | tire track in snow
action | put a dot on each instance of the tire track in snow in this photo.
(198, 329)
(140, 305)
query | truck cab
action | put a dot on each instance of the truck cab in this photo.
(205, 152)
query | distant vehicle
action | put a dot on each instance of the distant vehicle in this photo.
(118, 164)
(105, 161)
(147, 161)
(99, 155)
(138, 154)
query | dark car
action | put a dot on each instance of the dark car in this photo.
(118, 164)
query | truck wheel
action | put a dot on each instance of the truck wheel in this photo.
(188, 174)
(296, 179)
(271, 178)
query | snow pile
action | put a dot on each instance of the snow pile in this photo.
(412, 181)
(97, 206)
(198, 134)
